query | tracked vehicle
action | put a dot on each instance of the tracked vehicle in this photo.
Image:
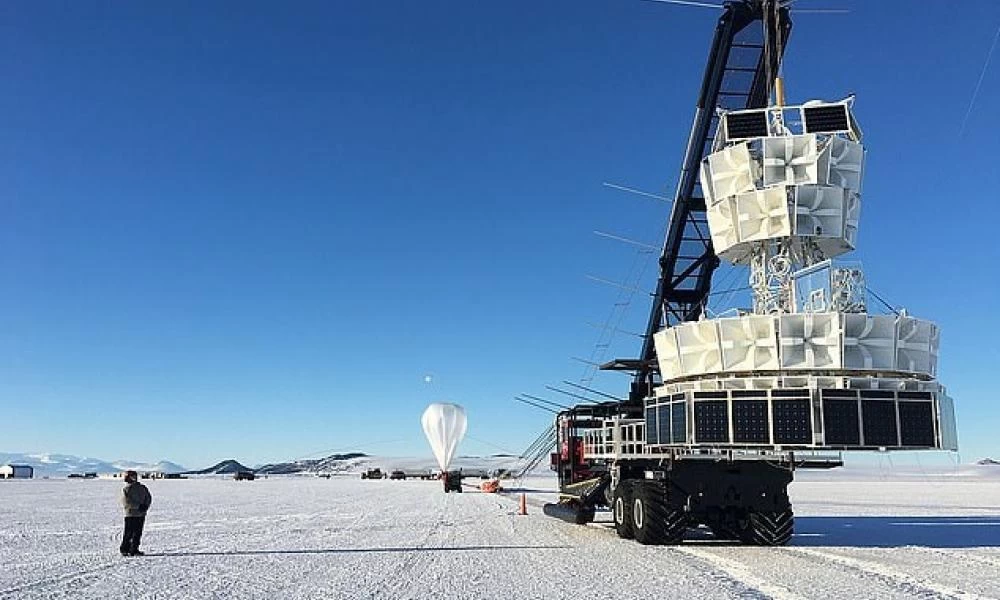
(721, 411)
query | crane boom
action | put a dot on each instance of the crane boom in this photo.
(739, 74)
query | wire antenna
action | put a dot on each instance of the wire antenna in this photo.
(982, 75)
(688, 3)
(619, 238)
(613, 283)
(570, 394)
(720, 6)
(615, 329)
(591, 390)
(631, 190)
(884, 303)
(545, 408)
(537, 399)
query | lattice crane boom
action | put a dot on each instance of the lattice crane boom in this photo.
(744, 57)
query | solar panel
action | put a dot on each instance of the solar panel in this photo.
(711, 421)
(916, 424)
(651, 431)
(880, 422)
(840, 417)
(792, 423)
(743, 125)
(750, 421)
(663, 414)
(679, 422)
(829, 118)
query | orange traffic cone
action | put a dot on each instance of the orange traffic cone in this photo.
(524, 505)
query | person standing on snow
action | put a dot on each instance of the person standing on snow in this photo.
(135, 500)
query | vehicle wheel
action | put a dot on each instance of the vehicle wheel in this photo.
(769, 528)
(653, 521)
(608, 497)
(621, 509)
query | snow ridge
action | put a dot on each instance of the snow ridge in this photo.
(47, 464)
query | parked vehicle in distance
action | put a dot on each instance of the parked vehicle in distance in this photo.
(397, 475)
(452, 481)
(375, 473)
(243, 476)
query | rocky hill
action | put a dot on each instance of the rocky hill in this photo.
(221, 468)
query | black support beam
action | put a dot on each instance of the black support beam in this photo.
(684, 284)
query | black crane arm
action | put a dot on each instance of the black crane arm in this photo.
(739, 74)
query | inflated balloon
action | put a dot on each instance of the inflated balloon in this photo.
(444, 425)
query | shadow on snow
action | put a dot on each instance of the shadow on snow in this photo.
(892, 532)
(877, 532)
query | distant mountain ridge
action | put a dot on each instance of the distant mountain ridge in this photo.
(987, 461)
(221, 468)
(46, 465)
(354, 462)
(61, 465)
(335, 463)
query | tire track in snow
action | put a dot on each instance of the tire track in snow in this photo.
(736, 580)
(904, 582)
(399, 583)
(515, 497)
(740, 573)
(960, 555)
(65, 578)
(722, 571)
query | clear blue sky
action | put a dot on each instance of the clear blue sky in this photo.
(247, 229)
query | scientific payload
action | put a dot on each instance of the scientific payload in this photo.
(724, 408)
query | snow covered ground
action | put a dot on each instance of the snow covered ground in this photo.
(858, 535)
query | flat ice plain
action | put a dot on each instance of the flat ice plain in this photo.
(859, 534)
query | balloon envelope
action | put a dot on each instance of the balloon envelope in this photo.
(444, 425)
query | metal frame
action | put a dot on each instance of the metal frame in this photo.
(685, 280)
(778, 115)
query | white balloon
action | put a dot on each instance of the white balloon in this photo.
(444, 425)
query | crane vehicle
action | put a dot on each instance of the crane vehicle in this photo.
(721, 411)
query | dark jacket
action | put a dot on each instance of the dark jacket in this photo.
(135, 499)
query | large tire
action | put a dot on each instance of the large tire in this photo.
(653, 521)
(769, 528)
(621, 509)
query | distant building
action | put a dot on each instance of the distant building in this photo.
(16, 472)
